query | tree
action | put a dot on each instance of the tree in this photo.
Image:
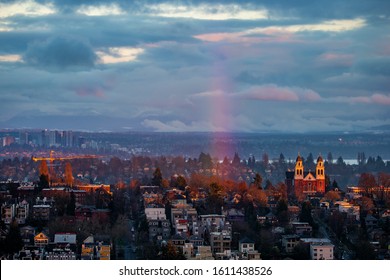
(310, 161)
(68, 175)
(43, 175)
(181, 182)
(330, 158)
(367, 182)
(282, 159)
(205, 160)
(305, 215)
(43, 169)
(340, 161)
(265, 159)
(361, 158)
(242, 187)
(365, 251)
(169, 252)
(256, 195)
(282, 211)
(13, 241)
(236, 160)
(332, 196)
(257, 181)
(215, 198)
(157, 177)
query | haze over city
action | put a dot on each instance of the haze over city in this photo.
(184, 66)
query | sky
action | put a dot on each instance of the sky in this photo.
(184, 66)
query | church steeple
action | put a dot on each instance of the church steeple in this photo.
(298, 168)
(320, 169)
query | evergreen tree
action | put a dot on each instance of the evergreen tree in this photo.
(13, 241)
(236, 160)
(157, 177)
(257, 181)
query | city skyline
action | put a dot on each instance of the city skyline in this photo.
(182, 66)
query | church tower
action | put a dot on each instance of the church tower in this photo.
(320, 175)
(298, 176)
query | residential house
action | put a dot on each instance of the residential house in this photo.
(302, 229)
(234, 215)
(63, 247)
(28, 234)
(41, 240)
(247, 249)
(289, 241)
(92, 249)
(203, 253)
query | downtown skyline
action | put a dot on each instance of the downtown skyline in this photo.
(186, 66)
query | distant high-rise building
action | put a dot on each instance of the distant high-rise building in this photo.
(24, 137)
(44, 141)
(8, 140)
(69, 138)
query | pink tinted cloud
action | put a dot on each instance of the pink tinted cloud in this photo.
(243, 37)
(336, 58)
(381, 99)
(376, 98)
(94, 92)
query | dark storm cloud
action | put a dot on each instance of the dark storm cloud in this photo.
(61, 53)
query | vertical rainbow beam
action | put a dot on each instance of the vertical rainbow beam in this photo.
(220, 112)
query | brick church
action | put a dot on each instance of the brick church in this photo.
(302, 183)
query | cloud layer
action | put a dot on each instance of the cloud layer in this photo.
(289, 66)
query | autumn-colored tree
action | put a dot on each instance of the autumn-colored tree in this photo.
(257, 181)
(242, 187)
(68, 175)
(367, 182)
(332, 196)
(259, 196)
(43, 169)
(181, 182)
(282, 189)
(367, 205)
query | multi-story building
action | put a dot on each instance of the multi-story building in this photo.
(289, 241)
(220, 242)
(155, 212)
(321, 251)
(41, 212)
(7, 213)
(22, 212)
(159, 229)
(302, 229)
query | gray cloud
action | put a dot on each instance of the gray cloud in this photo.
(61, 53)
(179, 82)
